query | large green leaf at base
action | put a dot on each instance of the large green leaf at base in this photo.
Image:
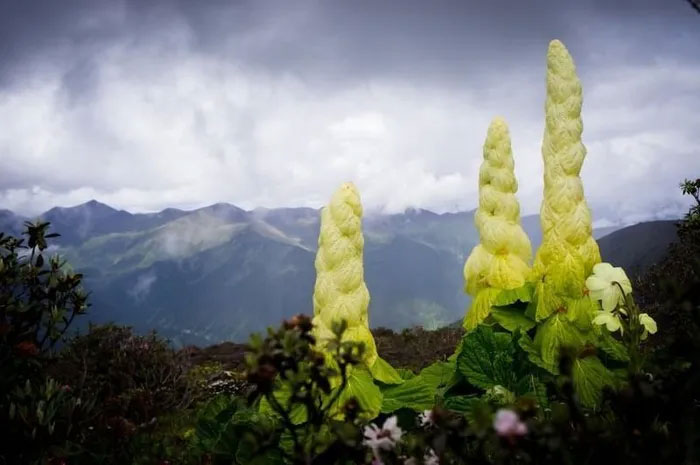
(462, 404)
(533, 354)
(530, 385)
(486, 358)
(282, 393)
(590, 377)
(439, 374)
(420, 391)
(555, 333)
(476, 410)
(414, 394)
(360, 385)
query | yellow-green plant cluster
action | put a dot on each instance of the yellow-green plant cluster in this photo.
(549, 299)
(500, 261)
(552, 297)
(340, 292)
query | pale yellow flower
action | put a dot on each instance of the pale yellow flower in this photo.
(648, 323)
(609, 319)
(603, 285)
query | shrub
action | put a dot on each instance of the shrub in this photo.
(133, 381)
(39, 299)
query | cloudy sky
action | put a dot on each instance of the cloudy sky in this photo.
(151, 104)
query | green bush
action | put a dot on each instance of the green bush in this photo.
(134, 382)
(39, 300)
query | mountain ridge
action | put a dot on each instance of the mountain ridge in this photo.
(219, 272)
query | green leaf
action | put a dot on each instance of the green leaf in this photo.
(463, 404)
(580, 312)
(510, 296)
(556, 332)
(282, 394)
(361, 386)
(385, 373)
(611, 346)
(486, 358)
(545, 302)
(439, 374)
(480, 307)
(590, 377)
(405, 373)
(476, 410)
(414, 394)
(533, 354)
(512, 318)
(531, 386)
(249, 453)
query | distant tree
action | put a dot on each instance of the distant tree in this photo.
(692, 218)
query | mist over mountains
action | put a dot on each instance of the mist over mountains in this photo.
(221, 272)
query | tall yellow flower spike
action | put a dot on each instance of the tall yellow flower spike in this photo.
(501, 259)
(340, 292)
(568, 251)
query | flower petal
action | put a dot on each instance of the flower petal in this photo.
(648, 323)
(595, 283)
(611, 298)
(611, 322)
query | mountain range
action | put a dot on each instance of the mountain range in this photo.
(220, 272)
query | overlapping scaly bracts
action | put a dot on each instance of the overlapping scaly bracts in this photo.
(340, 291)
(568, 251)
(500, 260)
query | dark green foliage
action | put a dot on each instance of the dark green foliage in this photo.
(486, 358)
(131, 380)
(670, 292)
(317, 398)
(228, 431)
(39, 299)
(691, 221)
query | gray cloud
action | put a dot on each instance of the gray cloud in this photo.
(145, 105)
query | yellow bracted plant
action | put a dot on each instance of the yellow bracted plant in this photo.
(565, 259)
(568, 251)
(551, 298)
(340, 292)
(500, 261)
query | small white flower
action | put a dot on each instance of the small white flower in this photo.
(426, 419)
(384, 438)
(508, 424)
(603, 285)
(609, 319)
(431, 458)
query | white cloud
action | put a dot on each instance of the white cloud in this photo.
(167, 127)
(143, 286)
